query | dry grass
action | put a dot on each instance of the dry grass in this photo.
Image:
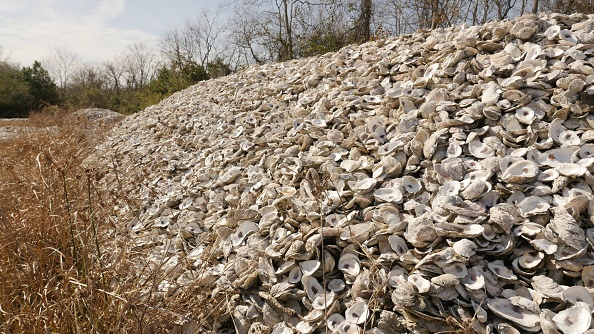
(64, 265)
(14, 122)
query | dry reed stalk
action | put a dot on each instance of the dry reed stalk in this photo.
(65, 265)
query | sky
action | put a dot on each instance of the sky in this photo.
(96, 30)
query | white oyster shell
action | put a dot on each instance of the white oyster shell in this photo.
(309, 267)
(505, 309)
(480, 150)
(520, 172)
(422, 284)
(390, 194)
(533, 205)
(350, 264)
(357, 313)
(243, 231)
(575, 319)
(465, 248)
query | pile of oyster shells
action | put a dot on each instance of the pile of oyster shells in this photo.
(97, 115)
(432, 182)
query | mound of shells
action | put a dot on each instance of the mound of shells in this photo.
(432, 182)
(97, 115)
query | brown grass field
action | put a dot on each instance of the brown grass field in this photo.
(64, 263)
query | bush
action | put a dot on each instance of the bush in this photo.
(15, 97)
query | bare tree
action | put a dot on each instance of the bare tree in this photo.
(431, 14)
(285, 37)
(321, 28)
(267, 41)
(246, 35)
(406, 16)
(504, 7)
(389, 17)
(205, 31)
(566, 7)
(114, 72)
(243, 39)
(173, 46)
(535, 7)
(87, 76)
(271, 30)
(61, 64)
(364, 22)
(193, 43)
(140, 64)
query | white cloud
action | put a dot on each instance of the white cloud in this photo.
(32, 28)
(12, 6)
(95, 29)
(109, 9)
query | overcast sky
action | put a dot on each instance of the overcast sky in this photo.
(95, 29)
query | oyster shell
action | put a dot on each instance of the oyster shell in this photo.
(411, 178)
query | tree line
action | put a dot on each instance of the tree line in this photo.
(253, 32)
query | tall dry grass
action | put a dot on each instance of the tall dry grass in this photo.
(64, 262)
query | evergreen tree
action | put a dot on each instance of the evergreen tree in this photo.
(41, 86)
(14, 92)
